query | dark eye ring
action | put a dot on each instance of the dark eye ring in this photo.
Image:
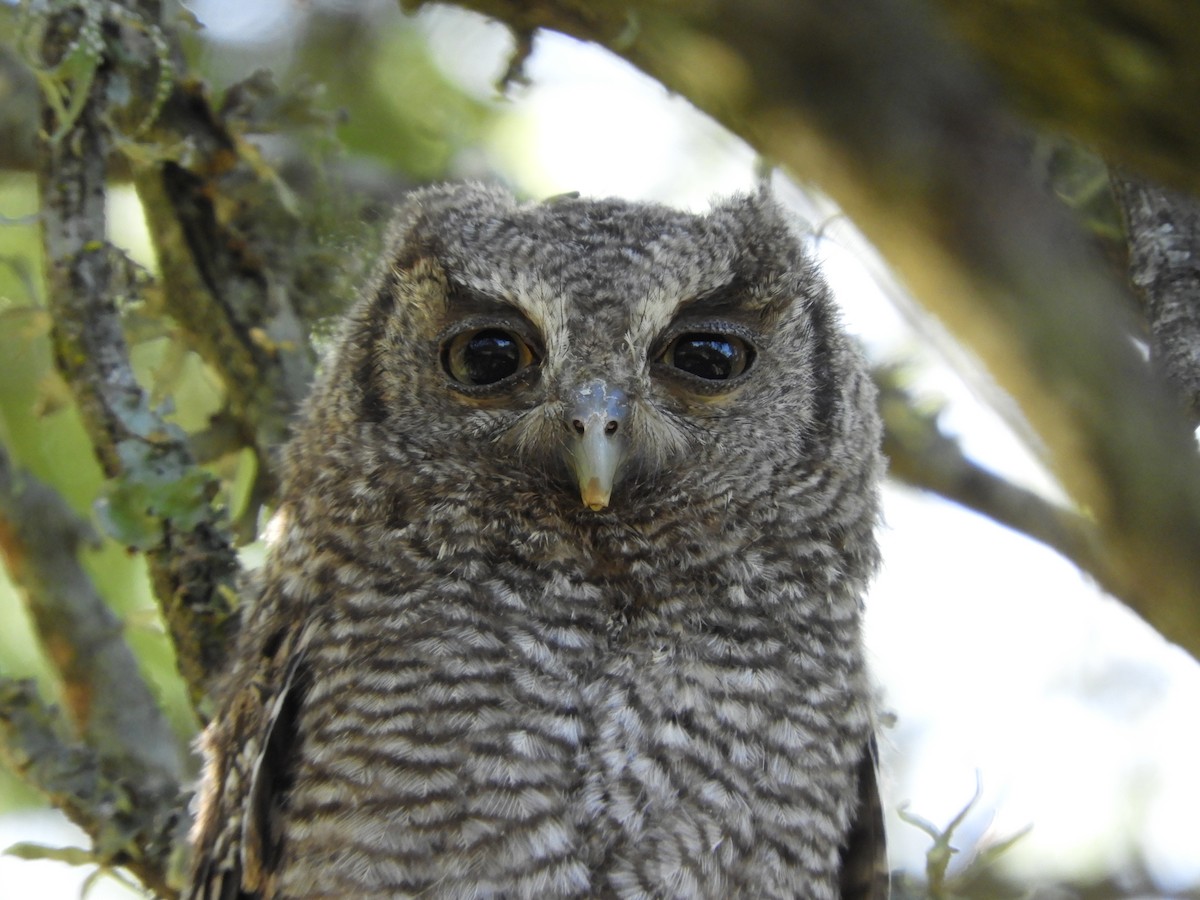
(709, 355)
(485, 356)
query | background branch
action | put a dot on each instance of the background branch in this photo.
(136, 825)
(923, 456)
(106, 697)
(227, 245)
(1121, 77)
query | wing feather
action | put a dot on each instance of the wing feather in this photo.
(248, 750)
(864, 873)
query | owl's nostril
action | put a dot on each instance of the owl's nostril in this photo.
(610, 427)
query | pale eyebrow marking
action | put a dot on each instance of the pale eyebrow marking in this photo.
(653, 314)
(540, 303)
(663, 306)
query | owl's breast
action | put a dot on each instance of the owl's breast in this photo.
(550, 729)
(721, 774)
(438, 750)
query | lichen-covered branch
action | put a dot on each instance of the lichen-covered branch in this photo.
(877, 104)
(236, 257)
(1163, 228)
(140, 826)
(159, 495)
(105, 695)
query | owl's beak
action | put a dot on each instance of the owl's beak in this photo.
(599, 443)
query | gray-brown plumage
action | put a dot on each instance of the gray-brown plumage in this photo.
(565, 600)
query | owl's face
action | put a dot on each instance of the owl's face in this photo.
(605, 355)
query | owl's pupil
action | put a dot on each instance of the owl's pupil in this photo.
(713, 357)
(490, 356)
(485, 357)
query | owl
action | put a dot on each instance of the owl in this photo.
(564, 593)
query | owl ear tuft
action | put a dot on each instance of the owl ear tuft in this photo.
(417, 256)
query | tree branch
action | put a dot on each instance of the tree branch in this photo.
(230, 247)
(108, 700)
(220, 228)
(158, 490)
(136, 825)
(1164, 265)
(234, 252)
(923, 456)
(876, 104)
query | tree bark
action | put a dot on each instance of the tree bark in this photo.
(1164, 268)
(158, 493)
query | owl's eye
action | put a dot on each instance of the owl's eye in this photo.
(485, 356)
(708, 355)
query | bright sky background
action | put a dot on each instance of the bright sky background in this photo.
(999, 660)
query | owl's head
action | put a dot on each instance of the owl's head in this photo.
(608, 355)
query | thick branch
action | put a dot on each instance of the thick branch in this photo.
(131, 824)
(230, 247)
(192, 564)
(1164, 265)
(108, 700)
(875, 104)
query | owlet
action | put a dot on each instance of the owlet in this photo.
(566, 591)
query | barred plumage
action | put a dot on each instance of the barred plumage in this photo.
(567, 592)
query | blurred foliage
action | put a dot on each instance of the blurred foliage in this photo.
(1082, 180)
(373, 70)
(345, 131)
(1113, 73)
